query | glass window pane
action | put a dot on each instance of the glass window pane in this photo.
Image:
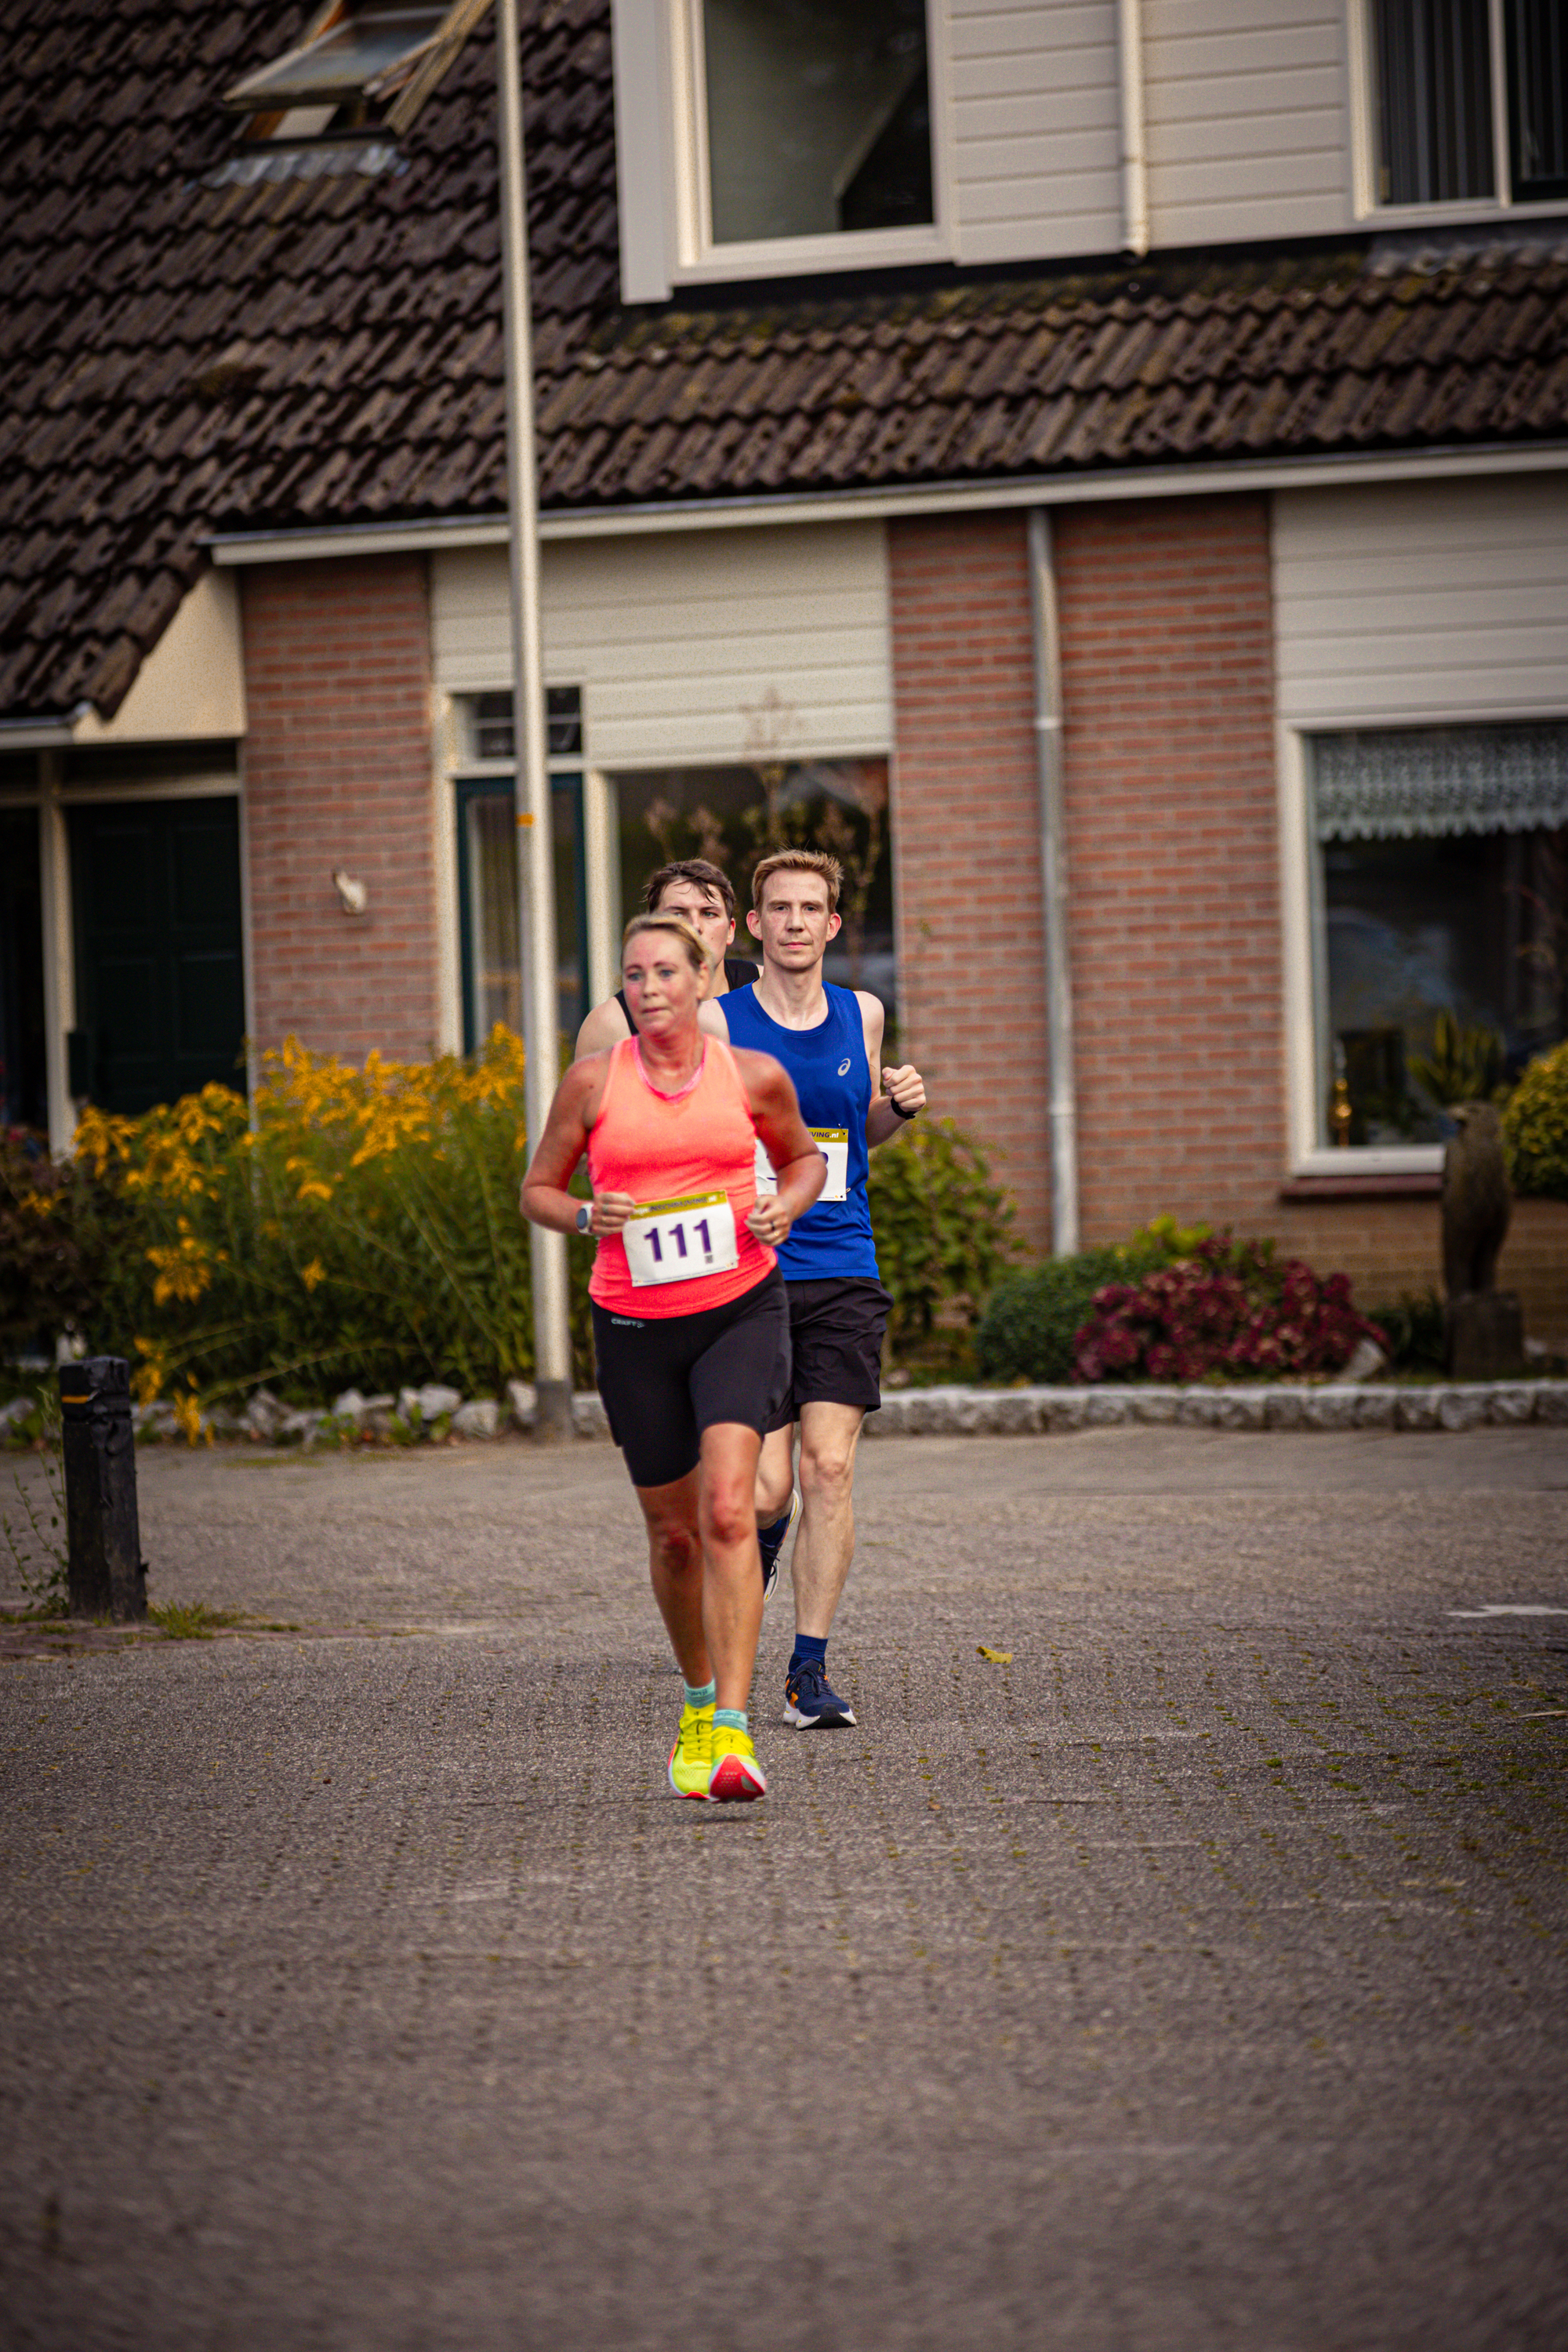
(345, 57)
(1434, 106)
(1474, 926)
(819, 117)
(734, 815)
(492, 979)
(486, 728)
(491, 987)
(1538, 96)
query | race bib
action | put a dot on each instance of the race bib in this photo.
(675, 1241)
(833, 1142)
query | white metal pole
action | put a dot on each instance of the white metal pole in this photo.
(535, 862)
(1054, 882)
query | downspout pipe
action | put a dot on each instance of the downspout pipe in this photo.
(1054, 886)
(1134, 146)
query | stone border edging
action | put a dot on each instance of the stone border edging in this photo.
(1006, 1413)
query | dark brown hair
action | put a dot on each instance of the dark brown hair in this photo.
(700, 870)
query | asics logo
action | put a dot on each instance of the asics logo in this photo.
(844, 1068)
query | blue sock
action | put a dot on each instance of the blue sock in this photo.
(730, 1718)
(704, 1697)
(809, 1645)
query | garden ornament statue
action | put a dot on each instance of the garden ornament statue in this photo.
(1483, 1326)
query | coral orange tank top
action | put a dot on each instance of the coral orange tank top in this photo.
(682, 1158)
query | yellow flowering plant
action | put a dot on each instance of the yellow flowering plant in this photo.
(350, 1227)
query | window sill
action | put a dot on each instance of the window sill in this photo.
(815, 257)
(1366, 1184)
(1457, 215)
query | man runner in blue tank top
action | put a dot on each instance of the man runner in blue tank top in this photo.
(830, 1041)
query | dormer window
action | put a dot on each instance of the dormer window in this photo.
(353, 60)
(815, 118)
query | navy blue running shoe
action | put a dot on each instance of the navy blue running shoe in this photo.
(809, 1703)
(771, 1542)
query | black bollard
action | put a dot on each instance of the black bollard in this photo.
(107, 1575)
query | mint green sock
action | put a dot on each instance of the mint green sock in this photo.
(704, 1697)
(734, 1718)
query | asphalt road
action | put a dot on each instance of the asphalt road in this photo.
(1195, 1980)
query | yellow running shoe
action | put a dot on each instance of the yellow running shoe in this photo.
(691, 1757)
(737, 1776)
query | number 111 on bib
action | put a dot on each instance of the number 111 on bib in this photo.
(676, 1241)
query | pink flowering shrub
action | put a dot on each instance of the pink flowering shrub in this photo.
(1232, 1310)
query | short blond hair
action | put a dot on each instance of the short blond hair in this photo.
(678, 926)
(800, 861)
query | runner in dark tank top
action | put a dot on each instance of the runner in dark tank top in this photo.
(701, 895)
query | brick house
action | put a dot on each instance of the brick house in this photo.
(1117, 457)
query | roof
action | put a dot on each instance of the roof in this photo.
(200, 336)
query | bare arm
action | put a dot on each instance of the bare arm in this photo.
(604, 1027)
(545, 1200)
(903, 1085)
(789, 1143)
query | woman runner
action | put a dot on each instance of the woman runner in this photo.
(690, 1321)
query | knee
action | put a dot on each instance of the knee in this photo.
(729, 1515)
(677, 1546)
(774, 1493)
(826, 1473)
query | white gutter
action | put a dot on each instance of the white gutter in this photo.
(1134, 145)
(879, 506)
(1054, 885)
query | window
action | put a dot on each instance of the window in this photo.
(733, 814)
(1439, 69)
(353, 60)
(487, 862)
(805, 135)
(818, 117)
(1443, 888)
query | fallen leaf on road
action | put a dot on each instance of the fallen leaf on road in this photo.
(994, 1657)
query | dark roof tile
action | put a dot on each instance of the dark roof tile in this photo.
(181, 357)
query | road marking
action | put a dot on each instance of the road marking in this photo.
(1513, 1608)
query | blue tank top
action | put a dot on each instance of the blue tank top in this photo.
(833, 1080)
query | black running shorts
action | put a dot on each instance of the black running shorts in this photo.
(836, 1330)
(666, 1379)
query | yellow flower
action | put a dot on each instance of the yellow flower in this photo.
(312, 1189)
(188, 1420)
(312, 1273)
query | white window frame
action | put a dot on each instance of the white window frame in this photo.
(661, 142)
(1305, 980)
(1364, 137)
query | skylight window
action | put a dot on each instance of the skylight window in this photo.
(351, 54)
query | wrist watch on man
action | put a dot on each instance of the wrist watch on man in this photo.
(585, 1218)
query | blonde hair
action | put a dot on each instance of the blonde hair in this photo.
(697, 954)
(800, 861)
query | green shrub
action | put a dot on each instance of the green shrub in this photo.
(1535, 1127)
(363, 1229)
(1032, 1316)
(1413, 1332)
(944, 1234)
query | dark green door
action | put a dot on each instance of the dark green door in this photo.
(159, 984)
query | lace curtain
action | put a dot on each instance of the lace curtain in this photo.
(1399, 784)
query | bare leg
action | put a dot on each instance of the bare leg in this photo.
(675, 1570)
(732, 1579)
(776, 1475)
(824, 1540)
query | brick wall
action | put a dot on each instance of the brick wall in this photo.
(337, 767)
(966, 837)
(1172, 858)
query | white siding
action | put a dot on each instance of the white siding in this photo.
(1248, 124)
(1422, 601)
(681, 641)
(1036, 142)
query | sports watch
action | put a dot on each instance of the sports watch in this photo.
(585, 1217)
